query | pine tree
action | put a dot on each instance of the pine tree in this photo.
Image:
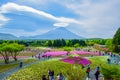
(116, 41)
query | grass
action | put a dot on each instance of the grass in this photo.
(28, 54)
(7, 67)
(35, 72)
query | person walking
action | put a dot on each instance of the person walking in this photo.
(44, 77)
(49, 74)
(21, 64)
(57, 77)
(97, 73)
(88, 72)
(108, 60)
(61, 77)
(52, 75)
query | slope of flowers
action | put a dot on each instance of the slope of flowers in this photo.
(76, 60)
(35, 71)
(56, 53)
(84, 52)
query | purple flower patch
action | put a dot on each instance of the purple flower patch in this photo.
(76, 60)
(56, 53)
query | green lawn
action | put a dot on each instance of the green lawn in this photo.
(28, 54)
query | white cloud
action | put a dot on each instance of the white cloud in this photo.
(22, 32)
(10, 7)
(3, 20)
(99, 17)
(61, 24)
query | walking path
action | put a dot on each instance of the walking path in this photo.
(92, 76)
(9, 72)
(92, 72)
(115, 60)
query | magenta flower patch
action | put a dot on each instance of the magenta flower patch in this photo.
(76, 60)
(56, 53)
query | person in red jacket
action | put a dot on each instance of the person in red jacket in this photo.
(88, 72)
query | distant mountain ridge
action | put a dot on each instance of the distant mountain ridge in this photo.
(58, 33)
(7, 36)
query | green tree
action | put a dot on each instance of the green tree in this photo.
(13, 50)
(108, 44)
(49, 43)
(63, 42)
(76, 45)
(16, 48)
(4, 51)
(116, 41)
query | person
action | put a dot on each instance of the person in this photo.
(21, 64)
(98, 67)
(88, 72)
(57, 77)
(114, 55)
(61, 77)
(44, 77)
(49, 74)
(83, 66)
(52, 75)
(97, 73)
(108, 61)
(32, 56)
(49, 56)
(38, 56)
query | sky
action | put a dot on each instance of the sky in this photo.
(86, 18)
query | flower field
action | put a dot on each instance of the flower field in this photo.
(61, 53)
(76, 60)
(35, 72)
(56, 53)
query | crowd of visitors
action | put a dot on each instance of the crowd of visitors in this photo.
(113, 59)
(51, 76)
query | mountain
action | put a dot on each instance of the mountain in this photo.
(5, 36)
(58, 33)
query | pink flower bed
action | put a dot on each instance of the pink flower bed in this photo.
(56, 53)
(17, 57)
(84, 52)
(76, 60)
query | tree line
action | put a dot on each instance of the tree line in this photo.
(57, 42)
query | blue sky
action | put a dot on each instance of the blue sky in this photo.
(87, 18)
